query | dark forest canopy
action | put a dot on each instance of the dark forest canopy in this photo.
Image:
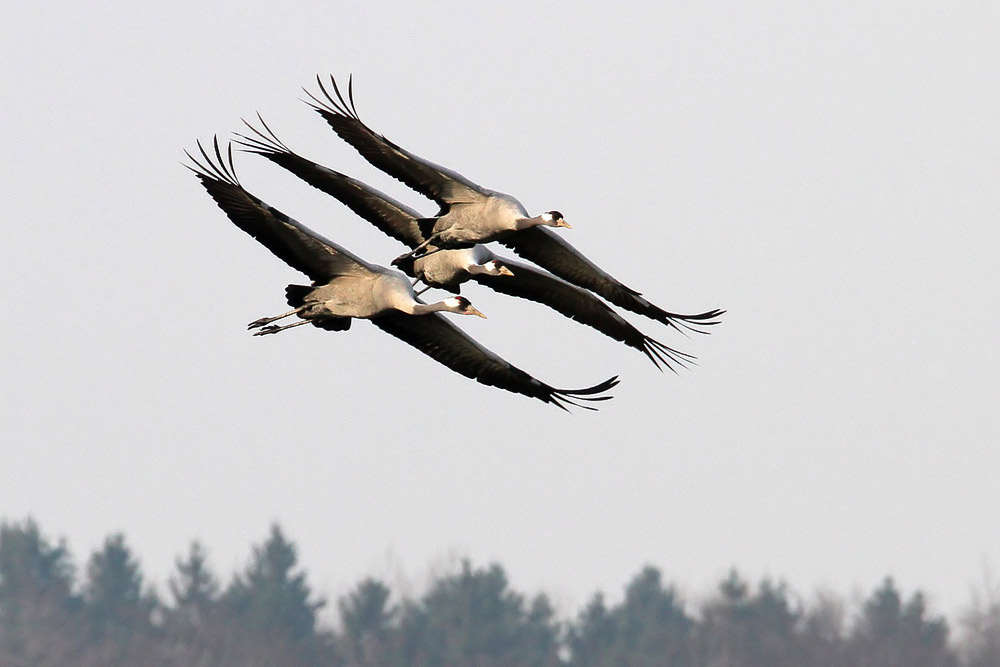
(54, 613)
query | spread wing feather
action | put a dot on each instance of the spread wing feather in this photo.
(443, 185)
(552, 252)
(294, 243)
(578, 304)
(444, 342)
(390, 216)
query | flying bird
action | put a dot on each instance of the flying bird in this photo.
(448, 269)
(470, 214)
(345, 287)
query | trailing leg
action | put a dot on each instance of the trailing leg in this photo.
(416, 250)
(256, 324)
(274, 328)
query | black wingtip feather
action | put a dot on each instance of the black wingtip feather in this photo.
(690, 323)
(335, 104)
(573, 396)
(221, 170)
(263, 142)
(662, 355)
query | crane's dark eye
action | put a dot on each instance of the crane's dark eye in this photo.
(556, 215)
(463, 302)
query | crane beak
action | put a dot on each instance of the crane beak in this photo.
(471, 310)
(504, 271)
(561, 222)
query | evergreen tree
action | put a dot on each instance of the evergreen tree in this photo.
(473, 618)
(650, 628)
(273, 607)
(196, 631)
(194, 588)
(270, 597)
(653, 621)
(367, 621)
(118, 611)
(822, 633)
(592, 637)
(891, 634)
(760, 630)
(540, 633)
(114, 600)
(39, 614)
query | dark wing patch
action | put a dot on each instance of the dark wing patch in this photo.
(388, 215)
(550, 251)
(580, 305)
(431, 180)
(444, 342)
(294, 243)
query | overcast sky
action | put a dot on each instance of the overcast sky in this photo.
(826, 173)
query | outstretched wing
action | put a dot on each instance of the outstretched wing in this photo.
(554, 253)
(444, 342)
(440, 184)
(390, 216)
(294, 243)
(578, 304)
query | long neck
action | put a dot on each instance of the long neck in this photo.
(424, 308)
(525, 223)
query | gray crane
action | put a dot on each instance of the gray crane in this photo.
(346, 287)
(448, 269)
(470, 213)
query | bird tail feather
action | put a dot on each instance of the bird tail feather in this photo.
(426, 226)
(296, 294)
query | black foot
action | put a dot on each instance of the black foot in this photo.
(274, 328)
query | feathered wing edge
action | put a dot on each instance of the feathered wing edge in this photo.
(389, 216)
(554, 253)
(582, 306)
(446, 186)
(298, 246)
(444, 342)
(442, 185)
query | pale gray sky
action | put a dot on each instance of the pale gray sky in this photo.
(827, 173)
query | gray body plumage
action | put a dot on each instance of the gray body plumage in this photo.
(470, 213)
(346, 287)
(490, 216)
(362, 296)
(450, 268)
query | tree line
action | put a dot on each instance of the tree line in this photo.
(266, 616)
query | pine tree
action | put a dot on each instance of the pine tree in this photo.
(473, 618)
(195, 630)
(649, 628)
(114, 601)
(194, 588)
(592, 637)
(753, 630)
(891, 634)
(367, 620)
(652, 619)
(39, 614)
(273, 609)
